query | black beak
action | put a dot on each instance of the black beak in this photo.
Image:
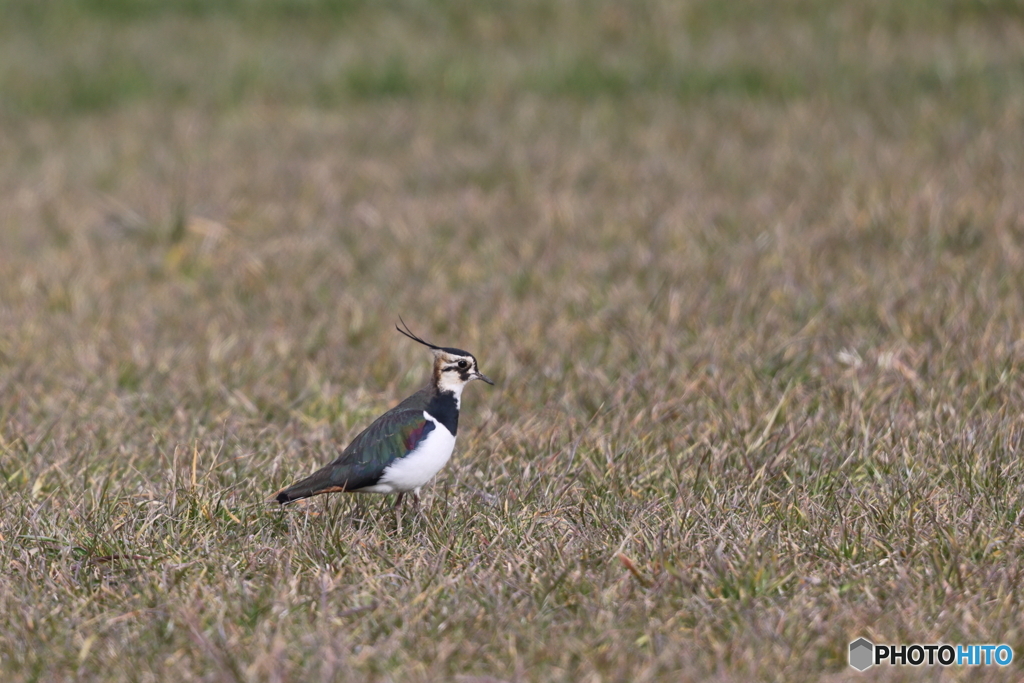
(480, 375)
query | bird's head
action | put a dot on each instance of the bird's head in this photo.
(453, 368)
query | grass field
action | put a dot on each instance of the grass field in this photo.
(749, 277)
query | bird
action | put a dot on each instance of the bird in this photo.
(406, 446)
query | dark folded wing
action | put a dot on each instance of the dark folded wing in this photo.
(392, 436)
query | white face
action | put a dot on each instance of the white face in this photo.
(453, 372)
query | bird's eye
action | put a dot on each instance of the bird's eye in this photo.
(463, 364)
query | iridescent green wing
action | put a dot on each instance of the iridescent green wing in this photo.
(393, 435)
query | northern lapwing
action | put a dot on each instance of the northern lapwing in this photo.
(406, 446)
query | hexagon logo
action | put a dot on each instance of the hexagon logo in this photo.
(862, 654)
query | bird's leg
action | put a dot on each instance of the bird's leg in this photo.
(397, 509)
(416, 500)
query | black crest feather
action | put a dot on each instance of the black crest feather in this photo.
(409, 333)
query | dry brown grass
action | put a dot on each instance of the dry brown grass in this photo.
(753, 297)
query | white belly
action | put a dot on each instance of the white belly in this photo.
(417, 468)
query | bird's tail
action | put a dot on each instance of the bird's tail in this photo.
(315, 484)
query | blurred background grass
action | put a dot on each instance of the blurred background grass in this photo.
(749, 275)
(71, 58)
